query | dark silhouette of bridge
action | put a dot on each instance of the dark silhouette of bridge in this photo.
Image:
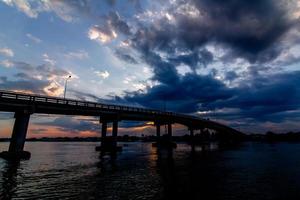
(23, 105)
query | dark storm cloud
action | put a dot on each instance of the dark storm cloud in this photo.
(264, 96)
(159, 37)
(23, 66)
(25, 84)
(247, 29)
(23, 76)
(121, 54)
(111, 2)
(48, 71)
(111, 27)
(132, 124)
(38, 131)
(194, 59)
(76, 125)
(258, 98)
(183, 95)
(231, 75)
(250, 28)
(115, 21)
(110, 99)
(164, 71)
(83, 96)
(285, 116)
(72, 125)
(135, 3)
(29, 70)
(255, 70)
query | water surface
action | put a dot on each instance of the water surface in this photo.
(73, 170)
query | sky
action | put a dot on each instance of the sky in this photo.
(235, 62)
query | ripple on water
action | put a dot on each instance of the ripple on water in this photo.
(74, 171)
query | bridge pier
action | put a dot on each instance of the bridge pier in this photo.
(192, 139)
(157, 132)
(169, 142)
(166, 140)
(104, 129)
(170, 131)
(114, 133)
(103, 133)
(18, 138)
(109, 144)
(158, 138)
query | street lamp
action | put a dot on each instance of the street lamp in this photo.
(66, 82)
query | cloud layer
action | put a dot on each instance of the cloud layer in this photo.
(41, 79)
(254, 32)
(234, 61)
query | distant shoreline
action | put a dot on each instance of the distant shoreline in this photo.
(268, 137)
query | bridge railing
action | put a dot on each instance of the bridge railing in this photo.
(73, 102)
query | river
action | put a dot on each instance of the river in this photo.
(73, 170)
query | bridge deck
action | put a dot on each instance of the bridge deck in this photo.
(14, 102)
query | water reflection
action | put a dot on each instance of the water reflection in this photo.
(165, 168)
(180, 171)
(75, 171)
(107, 162)
(9, 179)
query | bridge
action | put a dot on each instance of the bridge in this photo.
(24, 105)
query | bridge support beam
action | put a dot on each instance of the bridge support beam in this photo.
(104, 129)
(18, 138)
(165, 140)
(109, 144)
(157, 132)
(115, 133)
(191, 135)
(192, 139)
(103, 133)
(170, 131)
(169, 142)
(158, 136)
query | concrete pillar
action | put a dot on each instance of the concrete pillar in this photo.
(170, 131)
(109, 144)
(17, 141)
(115, 132)
(103, 133)
(192, 141)
(19, 132)
(157, 130)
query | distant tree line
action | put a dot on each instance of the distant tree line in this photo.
(198, 138)
(275, 137)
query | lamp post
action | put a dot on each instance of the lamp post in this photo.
(66, 82)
